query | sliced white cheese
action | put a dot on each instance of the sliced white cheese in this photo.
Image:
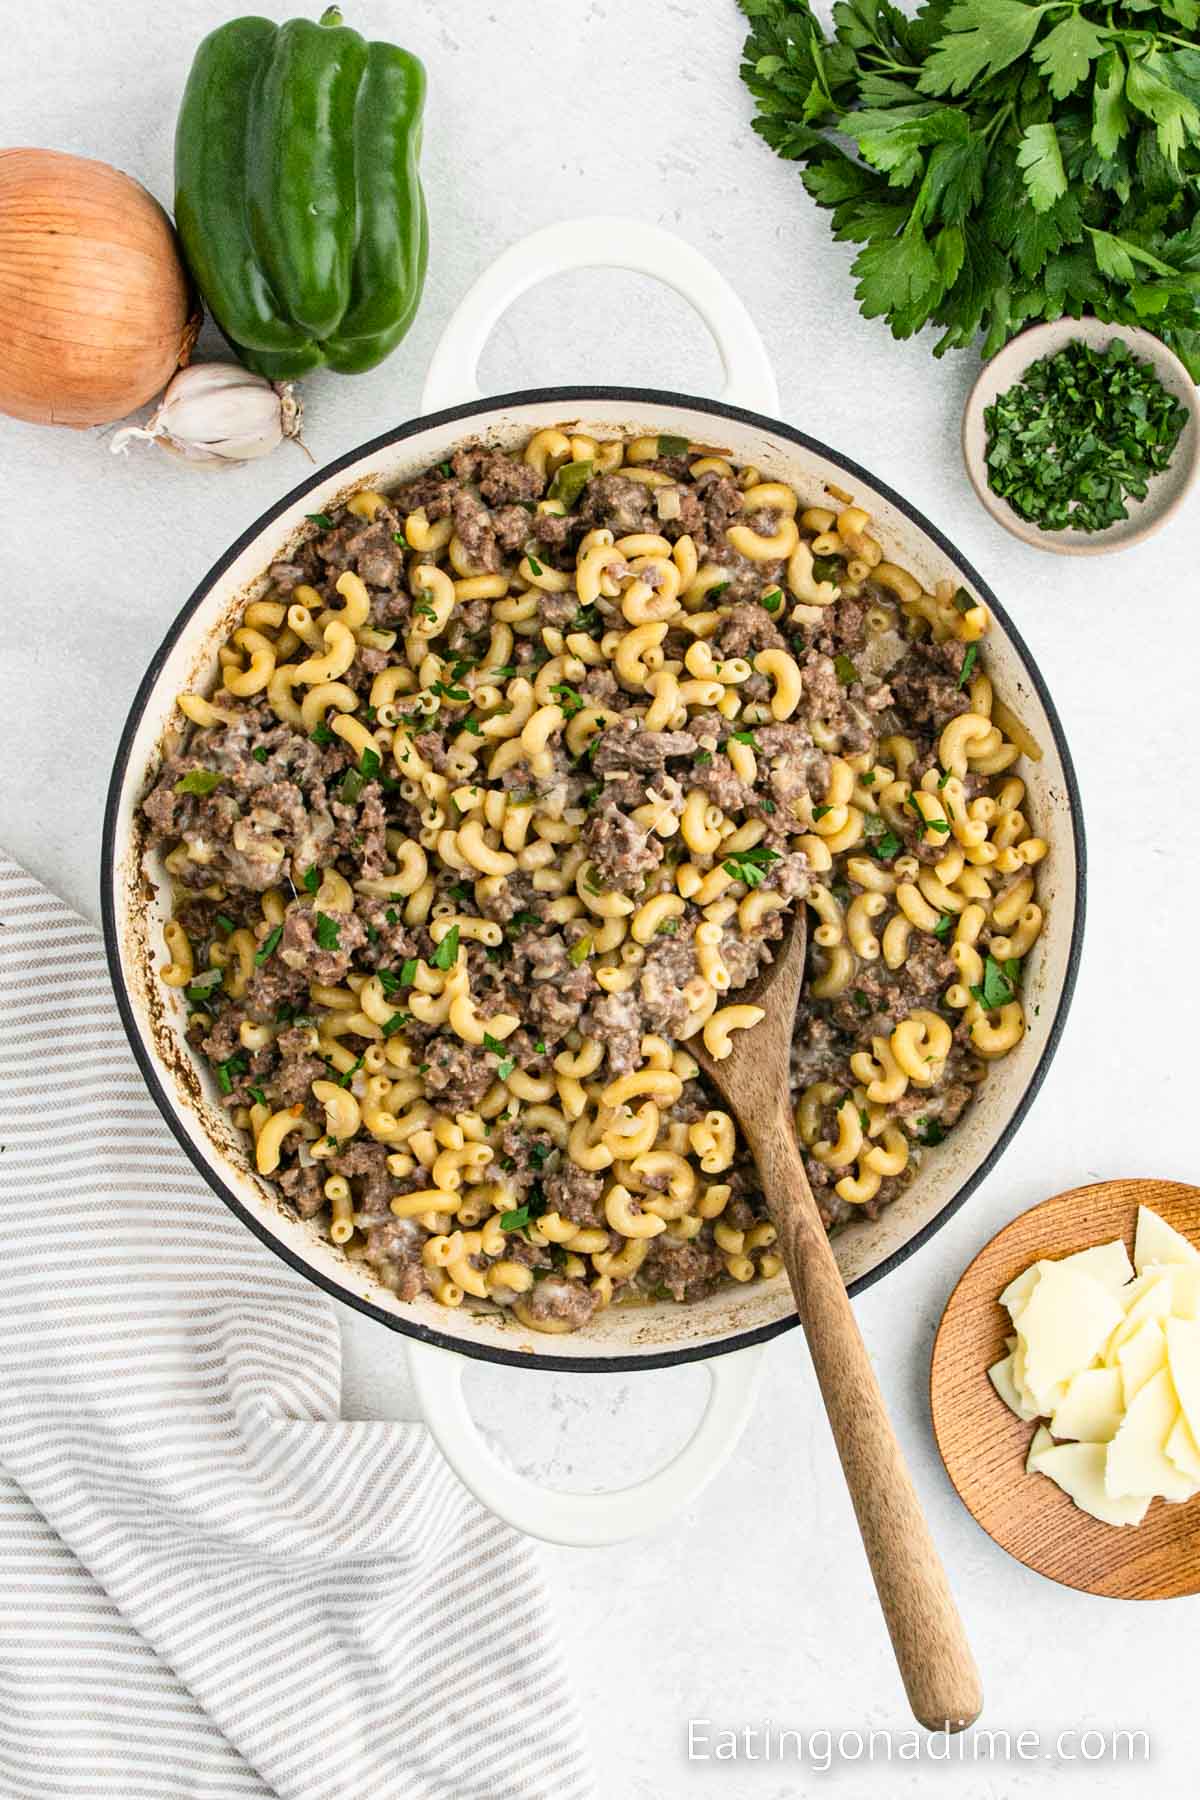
(1137, 1464)
(1093, 1406)
(1149, 1297)
(1017, 1293)
(1183, 1450)
(1183, 1360)
(1066, 1322)
(1141, 1357)
(1001, 1376)
(1185, 1287)
(1158, 1242)
(1041, 1442)
(1028, 1402)
(1108, 1264)
(1078, 1469)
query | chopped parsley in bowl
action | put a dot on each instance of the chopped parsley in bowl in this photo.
(1081, 436)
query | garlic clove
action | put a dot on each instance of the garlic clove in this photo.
(218, 414)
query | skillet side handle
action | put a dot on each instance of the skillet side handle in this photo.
(601, 243)
(584, 1520)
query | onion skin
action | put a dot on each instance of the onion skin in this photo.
(96, 311)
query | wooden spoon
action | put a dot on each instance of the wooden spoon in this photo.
(938, 1670)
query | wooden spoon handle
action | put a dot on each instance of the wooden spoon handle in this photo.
(935, 1660)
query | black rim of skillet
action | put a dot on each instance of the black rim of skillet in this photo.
(570, 399)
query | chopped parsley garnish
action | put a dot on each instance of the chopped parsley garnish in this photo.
(398, 537)
(742, 737)
(224, 922)
(445, 469)
(328, 932)
(370, 763)
(999, 984)
(257, 1095)
(939, 825)
(352, 786)
(569, 482)
(714, 593)
(968, 664)
(584, 619)
(446, 954)
(668, 928)
(826, 568)
(540, 1047)
(345, 1079)
(205, 986)
(423, 607)
(767, 806)
(819, 812)
(388, 981)
(267, 949)
(396, 1023)
(702, 759)
(533, 1207)
(931, 1131)
(259, 755)
(750, 866)
(944, 926)
(473, 725)
(773, 601)
(392, 916)
(669, 445)
(321, 519)
(845, 670)
(886, 846)
(569, 698)
(233, 1065)
(538, 1152)
(1082, 430)
(868, 778)
(321, 734)
(580, 950)
(520, 919)
(198, 781)
(534, 565)
(861, 1000)
(311, 879)
(963, 601)
(408, 971)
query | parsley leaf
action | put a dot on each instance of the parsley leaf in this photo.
(328, 932)
(999, 984)
(845, 670)
(446, 954)
(321, 519)
(968, 663)
(750, 866)
(311, 879)
(267, 949)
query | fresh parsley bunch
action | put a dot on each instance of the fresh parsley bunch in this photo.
(1000, 161)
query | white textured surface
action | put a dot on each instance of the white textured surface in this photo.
(757, 1604)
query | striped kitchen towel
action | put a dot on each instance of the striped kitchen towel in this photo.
(211, 1586)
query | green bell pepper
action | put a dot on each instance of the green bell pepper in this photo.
(297, 192)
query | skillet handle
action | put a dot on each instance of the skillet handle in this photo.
(601, 243)
(584, 1520)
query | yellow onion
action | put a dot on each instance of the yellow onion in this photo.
(96, 312)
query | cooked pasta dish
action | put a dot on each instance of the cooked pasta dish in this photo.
(506, 788)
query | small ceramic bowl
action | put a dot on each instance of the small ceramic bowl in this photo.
(1166, 491)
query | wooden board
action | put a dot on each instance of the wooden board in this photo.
(984, 1445)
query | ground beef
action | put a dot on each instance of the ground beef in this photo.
(300, 947)
(625, 746)
(623, 853)
(575, 1194)
(685, 1271)
(457, 1076)
(556, 1298)
(614, 1020)
(670, 964)
(925, 686)
(394, 1252)
(473, 525)
(505, 479)
(745, 631)
(619, 504)
(304, 1187)
(364, 1164)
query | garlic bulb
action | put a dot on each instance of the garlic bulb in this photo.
(214, 414)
